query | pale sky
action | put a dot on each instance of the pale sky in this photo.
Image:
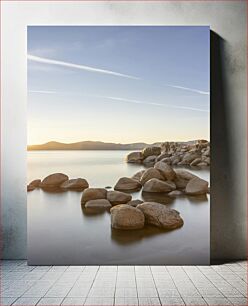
(119, 84)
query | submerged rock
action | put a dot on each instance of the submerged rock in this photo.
(155, 185)
(127, 184)
(54, 180)
(93, 194)
(175, 193)
(100, 203)
(118, 197)
(196, 186)
(160, 215)
(202, 164)
(126, 217)
(134, 203)
(78, 184)
(149, 174)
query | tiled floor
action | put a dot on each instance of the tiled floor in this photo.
(123, 285)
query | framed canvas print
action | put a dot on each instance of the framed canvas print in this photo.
(118, 145)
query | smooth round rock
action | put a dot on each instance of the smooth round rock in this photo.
(166, 170)
(126, 217)
(79, 184)
(155, 185)
(134, 157)
(93, 194)
(196, 186)
(35, 183)
(160, 215)
(101, 203)
(118, 197)
(149, 174)
(54, 180)
(127, 184)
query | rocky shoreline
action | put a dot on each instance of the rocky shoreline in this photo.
(128, 214)
(196, 154)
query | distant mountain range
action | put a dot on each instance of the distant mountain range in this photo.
(89, 145)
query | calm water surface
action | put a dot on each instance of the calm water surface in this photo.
(60, 232)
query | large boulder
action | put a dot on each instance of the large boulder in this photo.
(100, 203)
(76, 184)
(137, 176)
(54, 180)
(126, 217)
(149, 151)
(196, 186)
(166, 170)
(149, 174)
(155, 185)
(93, 194)
(127, 184)
(118, 197)
(160, 215)
(134, 157)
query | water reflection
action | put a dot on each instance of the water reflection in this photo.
(198, 199)
(92, 211)
(72, 235)
(162, 198)
(122, 237)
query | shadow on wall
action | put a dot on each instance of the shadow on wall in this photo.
(222, 209)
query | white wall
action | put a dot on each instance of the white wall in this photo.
(228, 102)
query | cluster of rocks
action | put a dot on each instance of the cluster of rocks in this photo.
(58, 181)
(128, 214)
(162, 178)
(174, 153)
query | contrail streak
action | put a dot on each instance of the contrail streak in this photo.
(189, 89)
(76, 66)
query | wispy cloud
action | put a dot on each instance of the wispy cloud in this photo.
(189, 89)
(76, 66)
(156, 104)
(124, 100)
(43, 91)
